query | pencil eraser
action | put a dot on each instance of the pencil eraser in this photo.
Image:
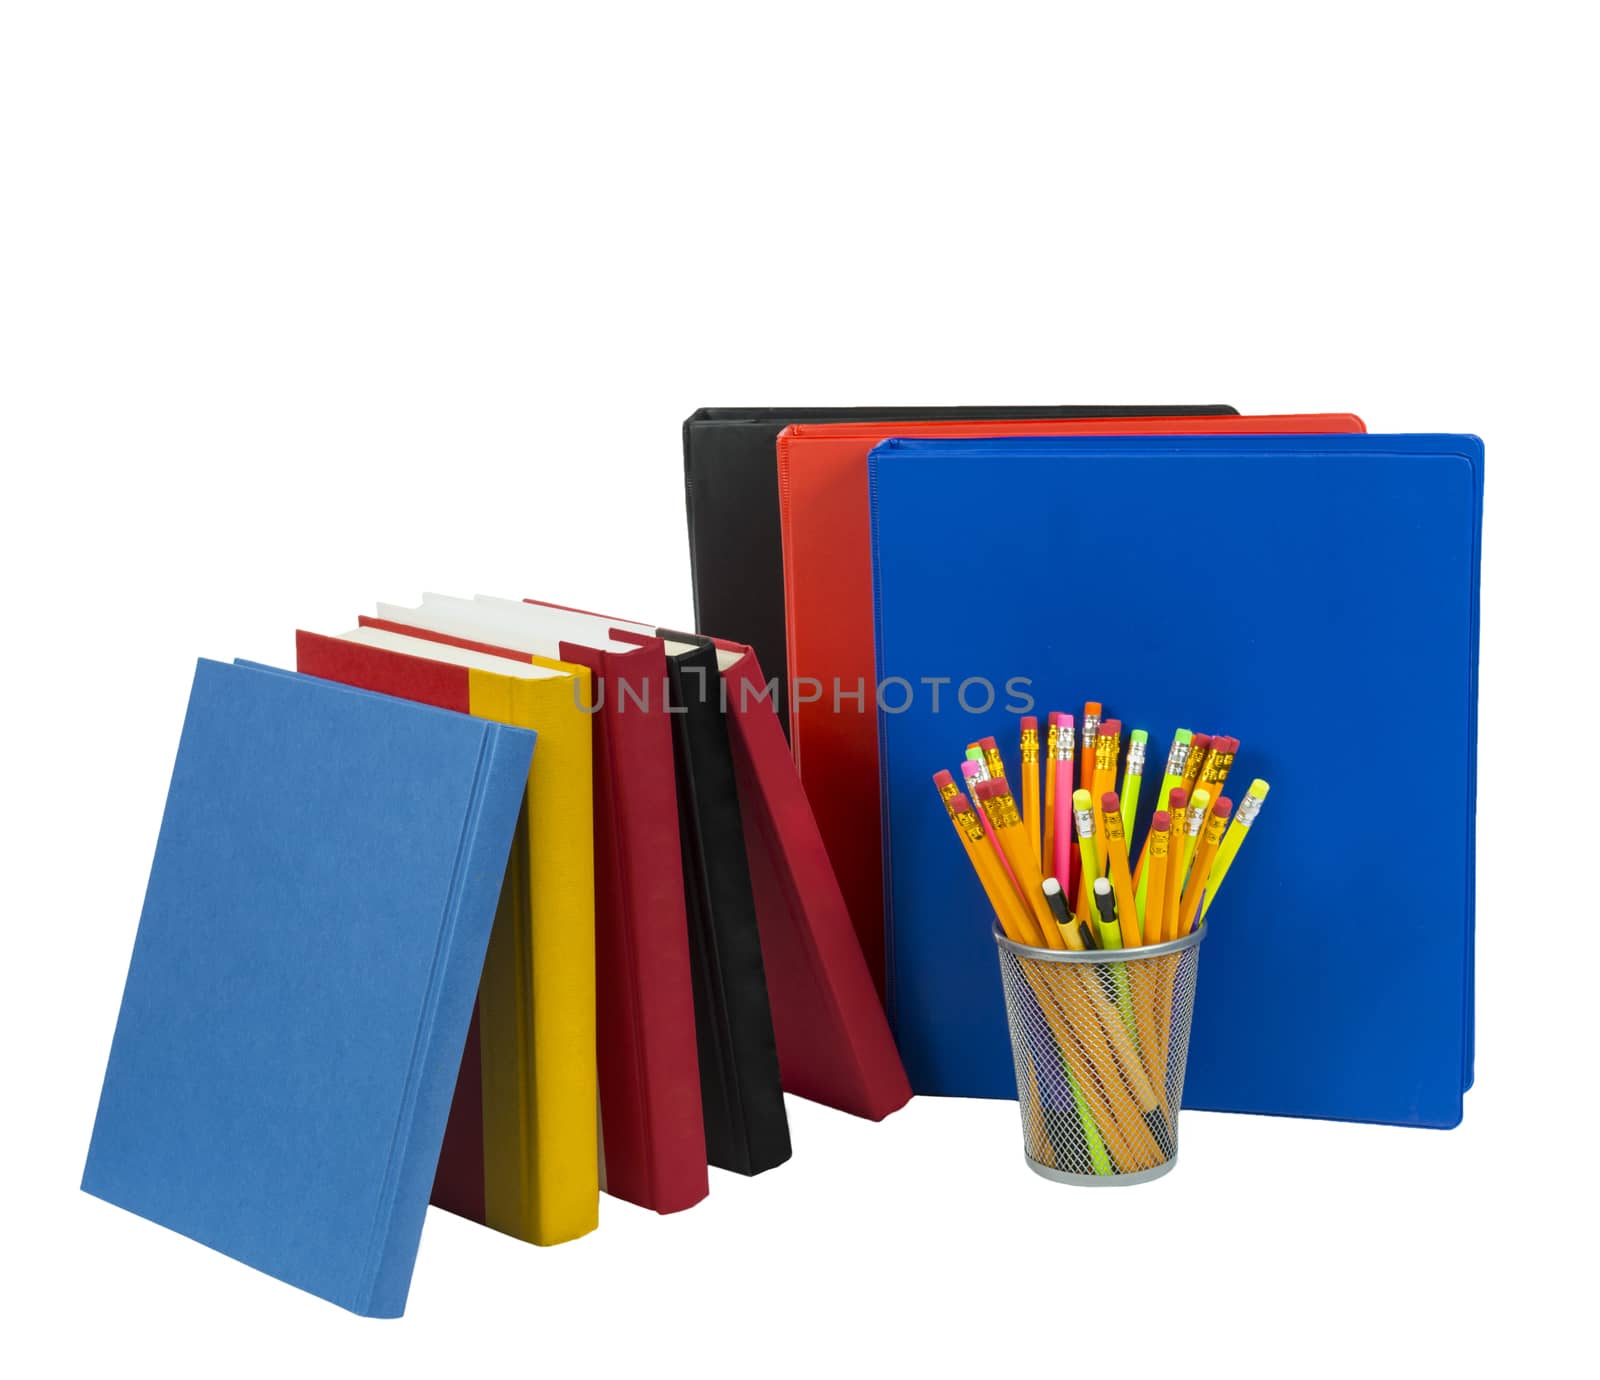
(1140, 736)
(1082, 800)
(1178, 799)
(959, 802)
(1059, 720)
(969, 769)
(1093, 707)
(1051, 886)
(1110, 728)
(1102, 886)
(941, 779)
(1258, 788)
(994, 786)
(988, 744)
(1222, 809)
(1161, 821)
(1183, 735)
(1029, 721)
(1109, 802)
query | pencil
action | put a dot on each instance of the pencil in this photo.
(1177, 759)
(1233, 840)
(1199, 803)
(1200, 868)
(973, 772)
(1030, 784)
(1007, 905)
(1116, 847)
(1214, 771)
(1107, 748)
(1091, 730)
(1199, 746)
(992, 760)
(1059, 812)
(1083, 818)
(1105, 915)
(1076, 932)
(1048, 821)
(1132, 777)
(1001, 807)
(1152, 913)
(1179, 809)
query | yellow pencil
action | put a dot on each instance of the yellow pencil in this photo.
(1199, 803)
(1233, 840)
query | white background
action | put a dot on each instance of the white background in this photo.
(307, 305)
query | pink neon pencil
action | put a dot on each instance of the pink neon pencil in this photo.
(1061, 830)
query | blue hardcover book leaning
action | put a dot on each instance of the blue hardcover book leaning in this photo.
(298, 998)
(1315, 596)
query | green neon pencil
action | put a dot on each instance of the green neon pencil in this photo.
(1132, 776)
(1238, 827)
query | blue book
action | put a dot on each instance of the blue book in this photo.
(298, 998)
(1296, 592)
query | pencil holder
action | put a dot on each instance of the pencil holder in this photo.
(1099, 1039)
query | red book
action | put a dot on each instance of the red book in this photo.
(653, 1131)
(827, 571)
(834, 1043)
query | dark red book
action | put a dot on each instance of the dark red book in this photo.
(834, 1043)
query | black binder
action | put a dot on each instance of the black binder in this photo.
(741, 1088)
(730, 484)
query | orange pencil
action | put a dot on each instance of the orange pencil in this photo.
(1008, 908)
(1030, 784)
(1091, 730)
(999, 804)
(1107, 749)
(1199, 746)
(1154, 915)
(1178, 805)
(1200, 868)
(1116, 845)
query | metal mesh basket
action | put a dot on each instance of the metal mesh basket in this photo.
(1099, 1045)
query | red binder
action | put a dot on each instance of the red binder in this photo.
(834, 1043)
(652, 1128)
(827, 571)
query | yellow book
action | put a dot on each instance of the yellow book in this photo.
(536, 999)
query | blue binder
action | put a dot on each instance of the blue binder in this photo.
(1299, 592)
(298, 998)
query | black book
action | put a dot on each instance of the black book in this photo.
(741, 1088)
(730, 483)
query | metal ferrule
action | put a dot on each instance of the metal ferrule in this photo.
(1061, 745)
(1136, 751)
(1085, 822)
(1177, 759)
(1195, 816)
(1248, 809)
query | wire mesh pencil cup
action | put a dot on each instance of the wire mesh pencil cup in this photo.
(1099, 1039)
